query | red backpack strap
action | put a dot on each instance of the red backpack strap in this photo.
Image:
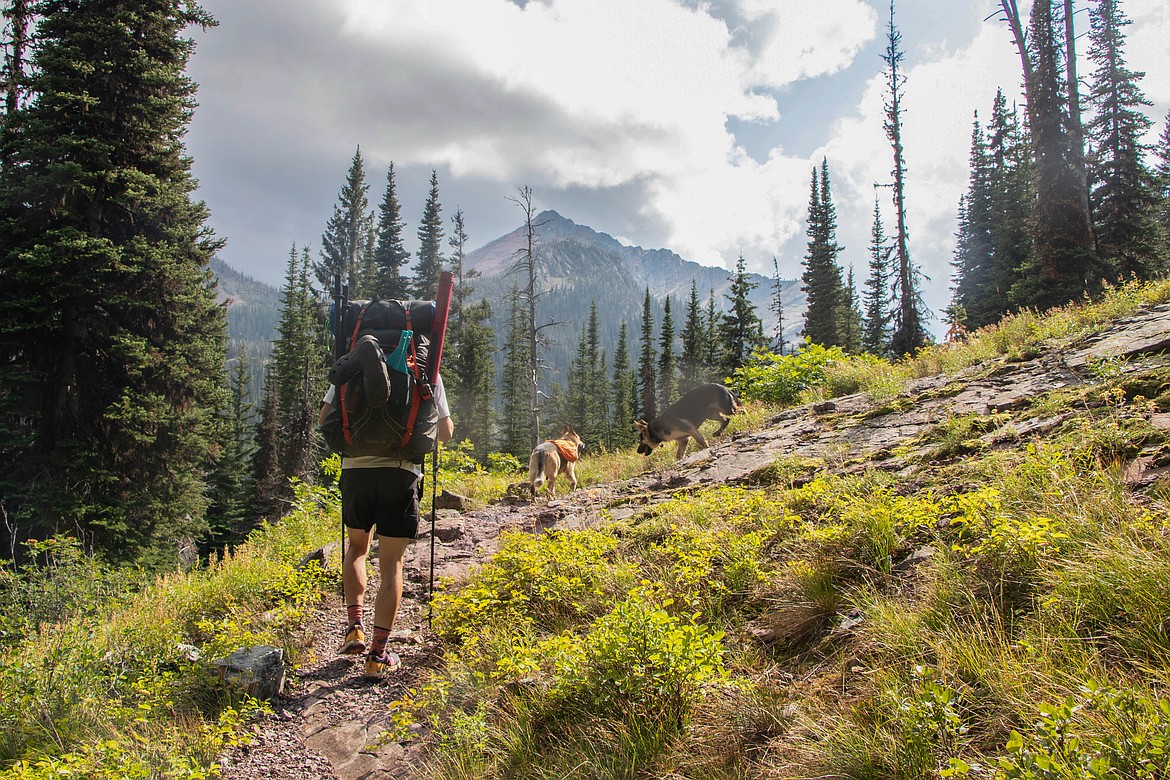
(357, 326)
(344, 413)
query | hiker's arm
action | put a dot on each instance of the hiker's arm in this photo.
(324, 411)
(446, 429)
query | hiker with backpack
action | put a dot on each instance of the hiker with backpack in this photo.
(383, 413)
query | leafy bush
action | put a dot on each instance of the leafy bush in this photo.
(781, 379)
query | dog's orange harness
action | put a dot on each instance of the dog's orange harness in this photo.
(568, 449)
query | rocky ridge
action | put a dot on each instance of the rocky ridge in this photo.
(329, 722)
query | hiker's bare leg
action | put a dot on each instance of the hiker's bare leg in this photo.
(391, 549)
(353, 566)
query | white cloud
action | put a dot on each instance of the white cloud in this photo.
(801, 40)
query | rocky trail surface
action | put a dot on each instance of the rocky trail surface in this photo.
(328, 721)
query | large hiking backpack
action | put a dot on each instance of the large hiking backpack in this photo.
(400, 419)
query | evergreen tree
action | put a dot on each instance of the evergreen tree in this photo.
(851, 317)
(624, 391)
(1162, 173)
(740, 329)
(390, 256)
(692, 362)
(430, 246)
(823, 288)
(1010, 181)
(1063, 264)
(268, 480)
(1124, 195)
(667, 360)
(776, 304)
(647, 378)
(298, 356)
(516, 381)
(716, 351)
(973, 245)
(230, 492)
(909, 329)
(471, 383)
(111, 338)
(344, 243)
(875, 337)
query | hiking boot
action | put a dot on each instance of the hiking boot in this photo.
(381, 664)
(354, 642)
(375, 379)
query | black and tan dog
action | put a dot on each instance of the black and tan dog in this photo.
(682, 419)
(552, 458)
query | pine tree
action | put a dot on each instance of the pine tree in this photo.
(692, 361)
(268, 480)
(516, 382)
(740, 329)
(343, 245)
(823, 287)
(715, 355)
(909, 329)
(1010, 181)
(667, 359)
(1124, 194)
(647, 377)
(875, 336)
(851, 317)
(298, 357)
(471, 383)
(776, 304)
(1162, 174)
(111, 338)
(430, 246)
(230, 491)
(1063, 265)
(390, 256)
(973, 246)
(624, 386)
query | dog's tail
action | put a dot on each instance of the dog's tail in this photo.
(536, 470)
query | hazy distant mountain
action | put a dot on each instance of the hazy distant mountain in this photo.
(580, 265)
(253, 311)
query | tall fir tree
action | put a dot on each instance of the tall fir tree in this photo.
(230, 491)
(1124, 195)
(740, 329)
(390, 257)
(298, 356)
(667, 359)
(909, 332)
(425, 285)
(875, 336)
(974, 249)
(471, 380)
(516, 382)
(1162, 174)
(1010, 180)
(851, 317)
(111, 338)
(715, 353)
(692, 361)
(647, 364)
(822, 286)
(624, 410)
(776, 304)
(346, 237)
(1063, 264)
(268, 480)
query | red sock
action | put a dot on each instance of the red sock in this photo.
(354, 613)
(380, 637)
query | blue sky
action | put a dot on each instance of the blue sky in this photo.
(685, 125)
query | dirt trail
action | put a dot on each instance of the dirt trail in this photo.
(326, 723)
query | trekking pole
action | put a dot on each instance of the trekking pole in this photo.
(438, 335)
(340, 293)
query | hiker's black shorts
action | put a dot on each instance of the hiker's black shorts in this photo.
(382, 497)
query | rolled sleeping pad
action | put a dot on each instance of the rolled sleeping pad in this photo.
(439, 324)
(382, 316)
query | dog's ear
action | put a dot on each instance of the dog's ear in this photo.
(640, 425)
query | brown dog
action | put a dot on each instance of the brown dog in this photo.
(554, 457)
(681, 420)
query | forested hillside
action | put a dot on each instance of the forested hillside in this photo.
(253, 309)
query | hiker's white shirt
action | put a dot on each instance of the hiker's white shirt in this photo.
(377, 461)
